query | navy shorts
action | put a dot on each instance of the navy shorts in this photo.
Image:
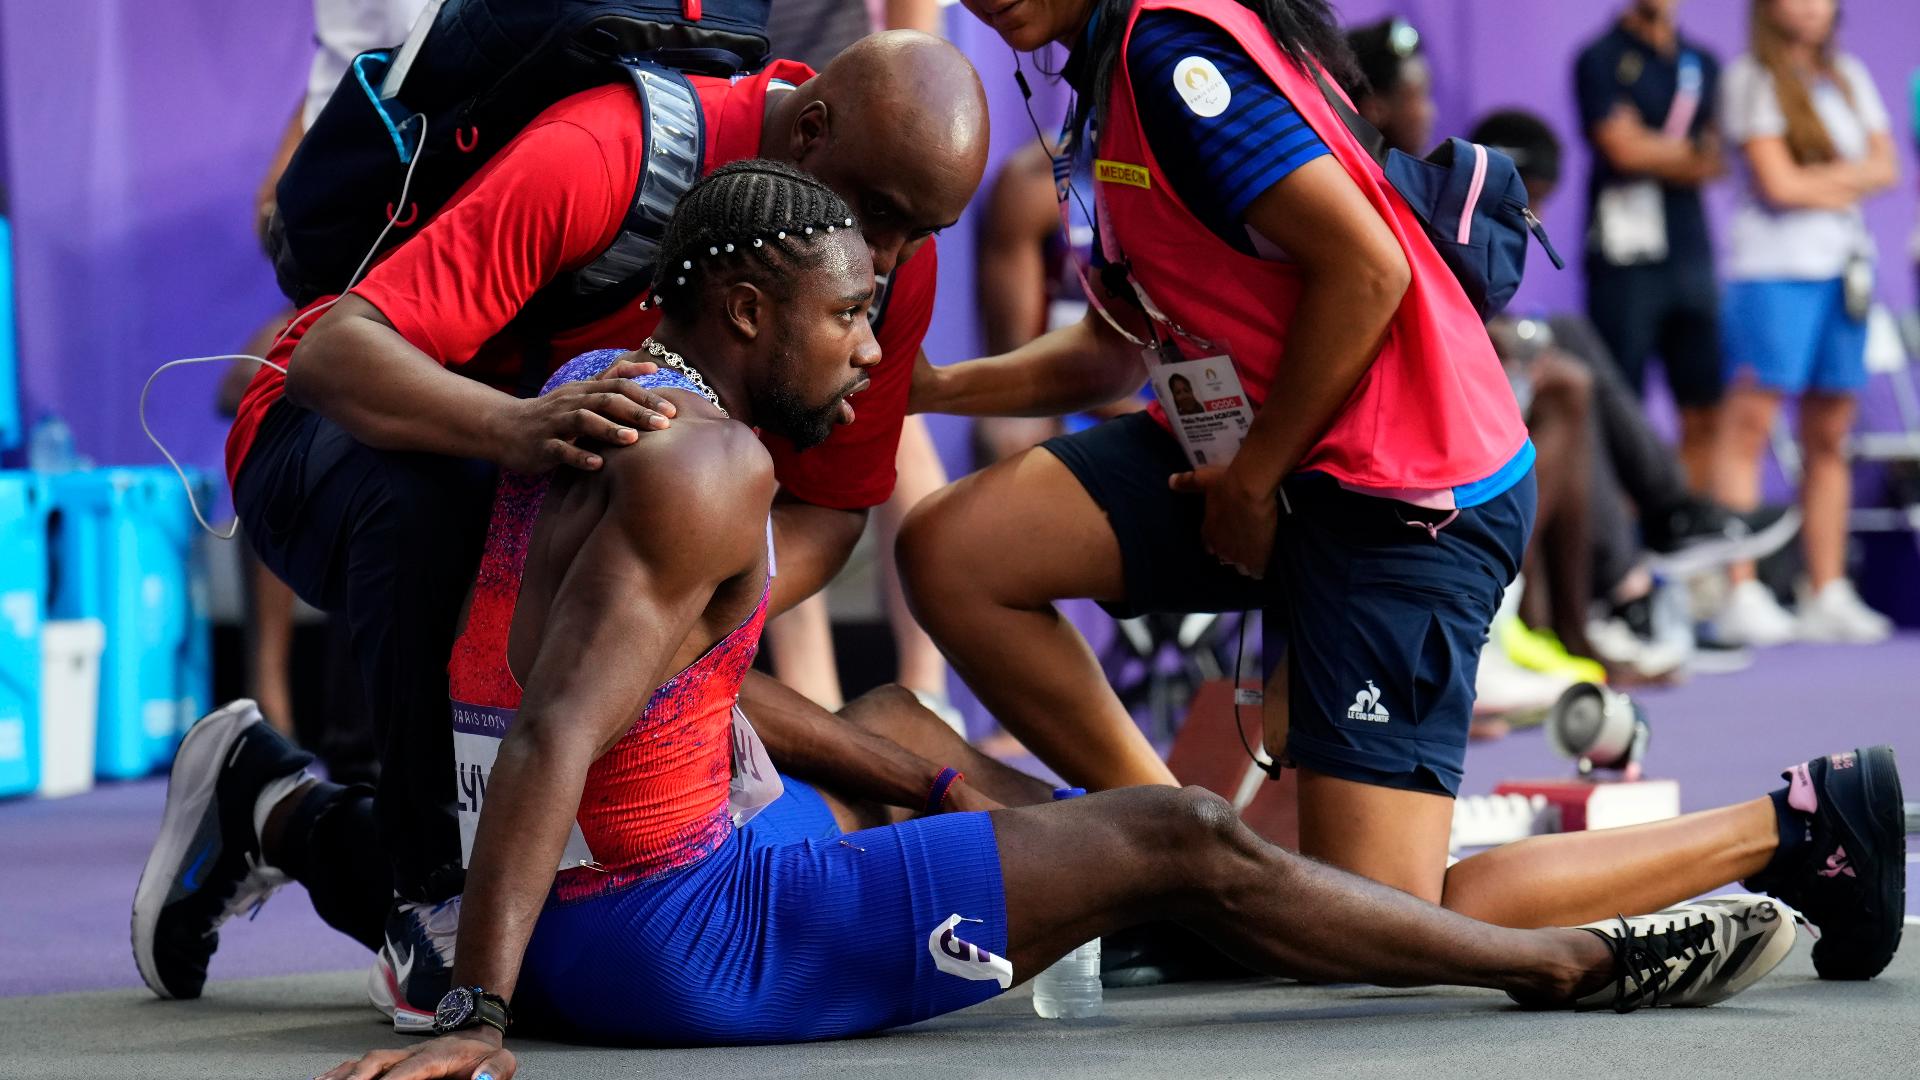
(1124, 464)
(1384, 619)
(1669, 308)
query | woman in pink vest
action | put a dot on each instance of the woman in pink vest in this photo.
(1356, 465)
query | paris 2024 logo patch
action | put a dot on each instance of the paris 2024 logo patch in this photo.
(1201, 86)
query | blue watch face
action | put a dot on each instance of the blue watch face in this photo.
(454, 1010)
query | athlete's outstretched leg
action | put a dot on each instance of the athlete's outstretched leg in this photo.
(1086, 867)
(1090, 866)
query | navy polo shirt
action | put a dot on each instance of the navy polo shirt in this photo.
(1620, 67)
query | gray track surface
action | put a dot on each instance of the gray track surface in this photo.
(1789, 1025)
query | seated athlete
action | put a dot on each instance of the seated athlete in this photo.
(613, 618)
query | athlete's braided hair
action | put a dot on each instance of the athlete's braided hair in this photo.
(756, 219)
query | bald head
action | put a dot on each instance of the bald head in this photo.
(916, 88)
(897, 126)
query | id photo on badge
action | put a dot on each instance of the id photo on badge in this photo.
(1206, 406)
(1185, 402)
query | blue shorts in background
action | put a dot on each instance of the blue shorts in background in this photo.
(1794, 336)
(770, 940)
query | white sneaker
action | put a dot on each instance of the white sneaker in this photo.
(1615, 643)
(1836, 614)
(1502, 686)
(414, 968)
(1753, 617)
(1692, 955)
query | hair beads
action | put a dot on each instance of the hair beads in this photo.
(777, 207)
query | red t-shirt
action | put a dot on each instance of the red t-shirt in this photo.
(550, 203)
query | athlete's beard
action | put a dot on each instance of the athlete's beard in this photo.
(782, 412)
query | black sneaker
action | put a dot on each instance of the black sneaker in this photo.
(1690, 956)
(206, 865)
(1852, 883)
(1699, 535)
(414, 969)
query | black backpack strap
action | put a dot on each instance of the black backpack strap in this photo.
(674, 145)
(1369, 136)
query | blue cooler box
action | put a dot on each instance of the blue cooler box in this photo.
(126, 552)
(9, 348)
(24, 500)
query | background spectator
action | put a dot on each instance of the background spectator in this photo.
(1398, 95)
(1813, 139)
(1646, 98)
(1640, 512)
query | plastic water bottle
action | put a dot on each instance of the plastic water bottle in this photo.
(50, 446)
(1070, 989)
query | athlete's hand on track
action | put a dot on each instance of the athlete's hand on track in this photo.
(548, 431)
(1240, 522)
(467, 1055)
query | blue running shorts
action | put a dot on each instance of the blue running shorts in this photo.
(798, 814)
(769, 943)
(1794, 336)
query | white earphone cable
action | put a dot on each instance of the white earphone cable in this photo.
(406, 186)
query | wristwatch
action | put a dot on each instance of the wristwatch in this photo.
(468, 1007)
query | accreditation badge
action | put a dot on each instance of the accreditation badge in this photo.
(1631, 222)
(1205, 405)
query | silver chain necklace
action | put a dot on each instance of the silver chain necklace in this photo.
(678, 363)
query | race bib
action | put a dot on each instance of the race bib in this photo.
(1204, 403)
(1631, 223)
(477, 731)
(755, 783)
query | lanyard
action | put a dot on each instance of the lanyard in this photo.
(1076, 147)
(1065, 163)
(1686, 99)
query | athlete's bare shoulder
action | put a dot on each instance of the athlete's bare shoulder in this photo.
(702, 486)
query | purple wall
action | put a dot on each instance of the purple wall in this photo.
(137, 133)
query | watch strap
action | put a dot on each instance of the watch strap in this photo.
(491, 1009)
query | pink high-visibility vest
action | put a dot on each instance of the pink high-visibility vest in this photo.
(1433, 412)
